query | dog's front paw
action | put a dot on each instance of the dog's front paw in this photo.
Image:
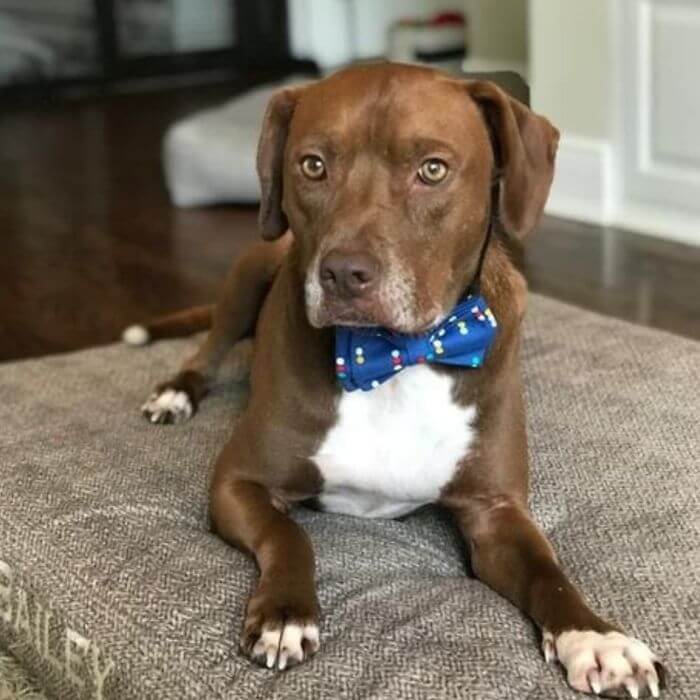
(610, 664)
(280, 631)
(168, 405)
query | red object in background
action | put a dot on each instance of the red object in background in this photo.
(443, 18)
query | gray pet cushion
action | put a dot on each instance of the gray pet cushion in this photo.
(103, 530)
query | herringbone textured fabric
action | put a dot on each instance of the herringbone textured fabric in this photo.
(111, 582)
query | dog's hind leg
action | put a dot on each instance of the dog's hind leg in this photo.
(226, 351)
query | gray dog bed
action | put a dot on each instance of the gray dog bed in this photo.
(110, 580)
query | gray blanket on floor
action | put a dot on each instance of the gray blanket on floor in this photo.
(112, 586)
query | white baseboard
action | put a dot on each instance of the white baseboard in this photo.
(582, 181)
(658, 221)
(583, 190)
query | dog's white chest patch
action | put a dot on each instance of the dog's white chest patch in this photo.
(393, 448)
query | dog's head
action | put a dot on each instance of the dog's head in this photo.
(384, 173)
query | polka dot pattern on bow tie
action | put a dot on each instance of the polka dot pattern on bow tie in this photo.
(368, 357)
(340, 368)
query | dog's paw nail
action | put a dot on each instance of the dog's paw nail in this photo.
(632, 688)
(653, 687)
(594, 681)
(550, 651)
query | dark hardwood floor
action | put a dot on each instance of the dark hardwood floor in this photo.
(651, 281)
(90, 242)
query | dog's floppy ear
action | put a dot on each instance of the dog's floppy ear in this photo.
(270, 161)
(525, 145)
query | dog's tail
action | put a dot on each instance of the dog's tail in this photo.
(175, 325)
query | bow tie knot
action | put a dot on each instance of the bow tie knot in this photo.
(367, 357)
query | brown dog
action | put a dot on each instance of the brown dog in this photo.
(383, 173)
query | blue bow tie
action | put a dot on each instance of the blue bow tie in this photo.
(367, 357)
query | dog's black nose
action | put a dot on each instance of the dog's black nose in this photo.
(348, 275)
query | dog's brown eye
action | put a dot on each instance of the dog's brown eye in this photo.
(313, 167)
(433, 171)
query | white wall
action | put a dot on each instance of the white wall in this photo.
(497, 33)
(571, 82)
(570, 64)
(333, 32)
(319, 30)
